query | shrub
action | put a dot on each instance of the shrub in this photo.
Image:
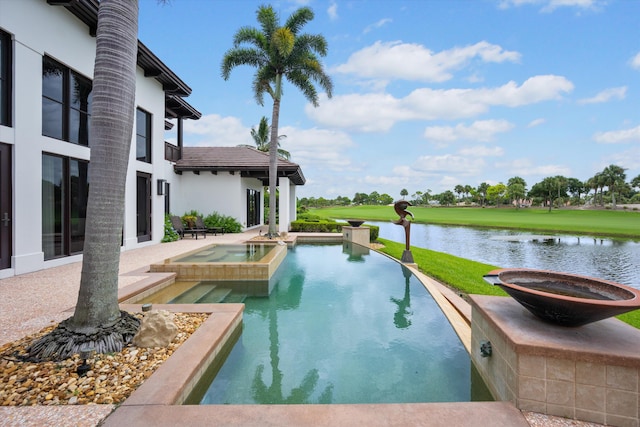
(328, 226)
(229, 224)
(170, 235)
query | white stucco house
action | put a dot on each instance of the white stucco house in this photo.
(47, 51)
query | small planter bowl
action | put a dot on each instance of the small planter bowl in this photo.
(355, 222)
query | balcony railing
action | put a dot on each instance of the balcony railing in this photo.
(171, 152)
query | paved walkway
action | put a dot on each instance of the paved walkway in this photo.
(26, 301)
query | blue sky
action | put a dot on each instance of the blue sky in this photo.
(428, 94)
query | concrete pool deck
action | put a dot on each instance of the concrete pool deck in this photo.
(26, 307)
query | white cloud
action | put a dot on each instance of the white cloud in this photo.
(618, 136)
(407, 171)
(381, 23)
(460, 165)
(380, 111)
(481, 151)
(606, 95)
(317, 148)
(524, 167)
(536, 122)
(482, 130)
(551, 5)
(628, 159)
(635, 61)
(213, 130)
(385, 180)
(410, 61)
(332, 11)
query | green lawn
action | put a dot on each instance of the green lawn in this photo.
(619, 223)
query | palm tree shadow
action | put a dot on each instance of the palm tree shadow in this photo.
(273, 394)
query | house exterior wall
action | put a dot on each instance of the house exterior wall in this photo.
(223, 193)
(37, 30)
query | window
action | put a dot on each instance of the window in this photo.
(143, 136)
(66, 103)
(167, 198)
(253, 207)
(5, 79)
(65, 189)
(143, 206)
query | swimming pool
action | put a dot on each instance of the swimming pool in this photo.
(343, 325)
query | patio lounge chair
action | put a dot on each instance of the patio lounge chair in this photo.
(176, 223)
(198, 228)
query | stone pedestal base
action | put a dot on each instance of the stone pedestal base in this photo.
(589, 373)
(358, 235)
(407, 257)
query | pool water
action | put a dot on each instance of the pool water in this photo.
(228, 253)
(343, 325)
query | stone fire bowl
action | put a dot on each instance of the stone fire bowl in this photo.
(355, 222)
(565, 299)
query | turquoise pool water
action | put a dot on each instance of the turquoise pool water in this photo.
(344, 325)
(228, 253)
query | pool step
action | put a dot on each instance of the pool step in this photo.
(235, 298)
(193, 294)
(214, 296)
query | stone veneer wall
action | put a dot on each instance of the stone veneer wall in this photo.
(590, 373)
(359, 235)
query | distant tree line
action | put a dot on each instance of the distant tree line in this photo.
(607, 187)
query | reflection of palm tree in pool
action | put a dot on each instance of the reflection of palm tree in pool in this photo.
(289, 299)
(400, 317)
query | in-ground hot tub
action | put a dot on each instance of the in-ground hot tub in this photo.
(250, 261)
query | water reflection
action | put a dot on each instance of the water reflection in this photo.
(273, 393)
(610, 259)
(401, 316)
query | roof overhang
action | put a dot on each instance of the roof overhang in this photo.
(294, 175)
(151, 65)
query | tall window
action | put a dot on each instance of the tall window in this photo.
(66, 103)
(5, 79)
(143, 136)
(65, 188)
(253, 207)
(143, 206)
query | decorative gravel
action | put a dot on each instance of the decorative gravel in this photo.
(112, 378)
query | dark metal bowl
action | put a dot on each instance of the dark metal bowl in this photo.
(565, 299)
(355, 222)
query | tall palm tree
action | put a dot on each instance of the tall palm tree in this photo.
(97, 317)
(279, 52)
(614, 177)
(261, 138)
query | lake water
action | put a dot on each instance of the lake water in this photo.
(605, 258)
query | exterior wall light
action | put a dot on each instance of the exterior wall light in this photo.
(160, 185)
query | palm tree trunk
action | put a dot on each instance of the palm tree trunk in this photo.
(273, 157)
(97, 320)
(111, 129)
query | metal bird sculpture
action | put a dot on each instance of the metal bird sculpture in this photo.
(401, 209)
